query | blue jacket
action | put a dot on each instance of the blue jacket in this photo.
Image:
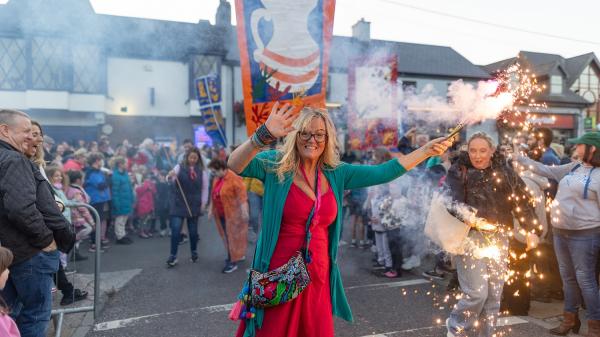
(122, 193)
(96, 186)
(549, 157)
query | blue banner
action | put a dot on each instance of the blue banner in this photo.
(208, 90)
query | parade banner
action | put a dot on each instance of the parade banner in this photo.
(208, 90)
(372, 103)
(284, 54)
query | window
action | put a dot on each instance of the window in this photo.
(13, 64)
(203, 65)
(556, 84)
(588, 86)
(409, 86)
(87, 69)
(49, 69)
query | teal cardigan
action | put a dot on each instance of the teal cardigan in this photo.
(343, 177)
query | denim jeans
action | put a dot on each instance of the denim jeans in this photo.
(384, 255)
(176, 223)
(481, 281)
(255, 206)
(28, 293)
(577, 255)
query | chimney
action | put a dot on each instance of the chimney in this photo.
(223, 17)
(362, 30)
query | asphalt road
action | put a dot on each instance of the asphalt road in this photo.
(193, 299)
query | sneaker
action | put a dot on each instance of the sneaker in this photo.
(93, 249)
(230, 268)
(433, 274)
(70, 271)
(183, 240)
(390, 273)
(143, 235)
(411, 262)
(105, 242)
(163, 233)
(78, 295)
(377, 265)
(124, 241)
(194, 258)
(172, 261)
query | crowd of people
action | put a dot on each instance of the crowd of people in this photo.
(531, 187)
(137, 191)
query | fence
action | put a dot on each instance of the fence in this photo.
(59, 314)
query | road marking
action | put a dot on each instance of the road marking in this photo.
(510, 320)
(504, 321)
(392, 284)
(122, 323)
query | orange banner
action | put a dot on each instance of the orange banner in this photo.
(284, 54)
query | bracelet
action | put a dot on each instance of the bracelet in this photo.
(265, 135)
(256, 142)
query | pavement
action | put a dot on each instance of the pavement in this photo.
(142, 297)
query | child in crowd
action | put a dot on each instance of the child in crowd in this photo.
(161, 205)
(8, 327)
(144, 208)
(81, 217)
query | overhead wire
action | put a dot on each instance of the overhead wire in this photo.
(491, 24)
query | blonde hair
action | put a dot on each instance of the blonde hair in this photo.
(290, 159)
(38, 157)
(484, 136)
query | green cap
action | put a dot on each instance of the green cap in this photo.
(590, 138)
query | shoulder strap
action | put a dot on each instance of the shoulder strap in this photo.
(587, 183)
(575, 167)
(316, 205)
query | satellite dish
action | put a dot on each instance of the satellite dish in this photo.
(107, 129)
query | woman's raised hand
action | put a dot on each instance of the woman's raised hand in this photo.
(280, 120)
(437, 146)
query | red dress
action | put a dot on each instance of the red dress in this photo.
(309, 314)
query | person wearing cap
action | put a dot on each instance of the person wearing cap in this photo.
(575, 215)
(77, 163)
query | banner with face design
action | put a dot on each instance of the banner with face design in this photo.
(284, 54)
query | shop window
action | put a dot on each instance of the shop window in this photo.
(13, 64)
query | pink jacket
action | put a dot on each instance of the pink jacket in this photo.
(79, 215)
(8, 328)
(145, 198)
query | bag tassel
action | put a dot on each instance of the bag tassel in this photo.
(240, 310)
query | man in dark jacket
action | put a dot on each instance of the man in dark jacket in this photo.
(23, 228)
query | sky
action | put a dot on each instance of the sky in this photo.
(483, 31)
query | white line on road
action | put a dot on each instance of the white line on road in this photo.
(122, 323)
(504, 321)
(391, 284)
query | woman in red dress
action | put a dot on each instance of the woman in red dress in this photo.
(306, 171)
